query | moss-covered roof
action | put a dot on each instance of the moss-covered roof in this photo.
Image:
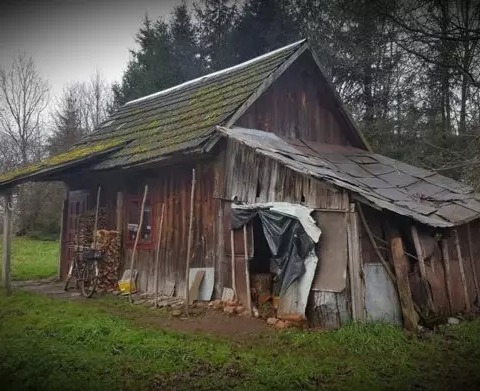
(78, 154)
(177, 120)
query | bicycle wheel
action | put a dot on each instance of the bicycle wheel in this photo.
(89, 279)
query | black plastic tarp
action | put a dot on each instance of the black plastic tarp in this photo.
(286, 237)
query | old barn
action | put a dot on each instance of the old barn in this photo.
(287, 195)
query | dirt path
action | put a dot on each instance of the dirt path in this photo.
(201, 321)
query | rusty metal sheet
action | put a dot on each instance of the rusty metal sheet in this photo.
(456, 213)
(378, 168)
(375, 183)
(398, 179)
(353, 169)
(422, 208)
(393, 194)
(422, 189)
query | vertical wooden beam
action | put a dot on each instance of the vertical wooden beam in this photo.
(189, 245)
(472, 261)
(232, 249)
(355, 267)
(95, 224)
(247, 271)
(157, 255)
(448, 276)
(119, 222)
(63, 226)
(423, 271)
(400, 263)
(462, 269)
(7, 224)
(135, 244)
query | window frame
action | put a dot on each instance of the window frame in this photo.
(142, 244)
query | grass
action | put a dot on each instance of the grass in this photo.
(33, 259)
(48, 344)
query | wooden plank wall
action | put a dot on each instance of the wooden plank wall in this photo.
(298, 105)
(252, 178)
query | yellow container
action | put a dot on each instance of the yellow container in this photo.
(124, 286)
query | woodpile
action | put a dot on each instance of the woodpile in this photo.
(86, 223)
(109, 243)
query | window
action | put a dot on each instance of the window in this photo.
(134, 205)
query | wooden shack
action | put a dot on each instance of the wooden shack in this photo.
(397, 242)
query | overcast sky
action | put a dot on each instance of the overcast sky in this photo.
(70, 39)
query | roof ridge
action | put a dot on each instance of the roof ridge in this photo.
(213, 74)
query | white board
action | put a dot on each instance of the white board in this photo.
(206, 287)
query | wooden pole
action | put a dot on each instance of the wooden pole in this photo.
(385, 264)
(119, 222)
(354, 267)
(232, 247)
(448, 278)
(462, 270)
(135, 244)
(400, 263)
(95, 225)
(61, 238)
(472, 261)
(189, 245)
(247, 271)
(7, 216)
(157, 254)
(421, 264)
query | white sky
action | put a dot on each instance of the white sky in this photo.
(70, 39)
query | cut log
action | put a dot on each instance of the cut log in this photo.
(448, 276)
(423, 272)
(462, 270)
(400, 263)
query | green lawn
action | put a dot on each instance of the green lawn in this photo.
(32, 259)
(50, 344)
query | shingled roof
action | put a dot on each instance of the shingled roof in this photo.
(377, 180)
(181, 119)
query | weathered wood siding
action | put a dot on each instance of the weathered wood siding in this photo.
(298, 105)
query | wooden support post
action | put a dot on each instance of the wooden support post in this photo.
(232, 248)
(119, 222)
(462, 269)
(7, 224)
(157, 254)
(63, 226)
(400, 263)
(423, 272)
(472, 261)
(95, 224)
(247, 271)
(355, 268)
(137, 236)
(448, 277)
(189, 245)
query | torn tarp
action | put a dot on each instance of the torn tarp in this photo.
(290, 231)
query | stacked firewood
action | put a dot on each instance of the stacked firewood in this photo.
(86, 224)
(109, 243)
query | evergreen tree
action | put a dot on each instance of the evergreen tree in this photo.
(216, 20)
(152, 67)
(184, 42)
(68, 129)
(263, 26)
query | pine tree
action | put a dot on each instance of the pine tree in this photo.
(263, 26)
(216, 21)
(68, 129)
(152, 67)
(184, 42)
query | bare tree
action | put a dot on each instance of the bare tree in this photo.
(23, 99)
